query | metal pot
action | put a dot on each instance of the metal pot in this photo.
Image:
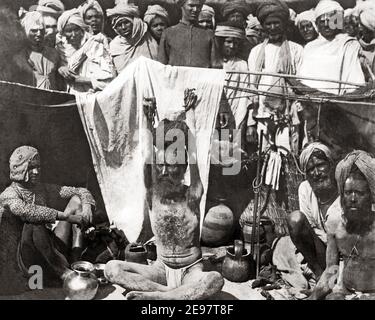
(81, 283)
(136, 253)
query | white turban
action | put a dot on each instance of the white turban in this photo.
(292, 15)
(252, 21)
(348, 12)
(308, 151)
(124, 10)
(90, 4)
(327, 6)
(308, 15)
(50, 7)
(367, 15)
(71, 16)
(210, 11)
(155, 11)
(31, 20)
(228, 31)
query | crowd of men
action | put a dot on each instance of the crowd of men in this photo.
(69, 51)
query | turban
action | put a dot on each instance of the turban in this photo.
(367, 15)
(19, 162)
(364, 162)
(90, 4)
(124, 10)
(327, 6)
(228, 31)
(50, 7)
(292, 15)
(30, 20)
(272, 7)
(71, 16)
(252, 21)
(309, 150)
(155, 11)
(233, 6)
(308, 15)
(348, 12)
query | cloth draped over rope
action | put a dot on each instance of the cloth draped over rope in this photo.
(114, 122)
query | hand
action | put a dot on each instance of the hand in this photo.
(67, 74)
(251, 135)
(190, 99)
(223, 119)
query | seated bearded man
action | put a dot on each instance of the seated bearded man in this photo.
(316, 194)
(351, 239)
(28, 210)
(174, 215)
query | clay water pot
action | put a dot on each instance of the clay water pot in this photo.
(136, 253)
(238, 265)
(81, 283)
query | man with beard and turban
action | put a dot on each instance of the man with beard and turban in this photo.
(351, 239)
(86, 60)
(236, 11)
(51, 10)
(305, 22)
(29, 235)
(133, 38)
(275, 55)
(333, 55)
(188, 44)
(43, 60)
(177, 273)
(317, 196)
(93, 15)
(366, 34)
(207, 18)
(157, 19)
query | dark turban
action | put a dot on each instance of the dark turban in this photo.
(276, 8)
(235, 6)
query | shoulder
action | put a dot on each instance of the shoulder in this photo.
(305, 188)
(9, 193)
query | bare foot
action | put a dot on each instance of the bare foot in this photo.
(139, 295)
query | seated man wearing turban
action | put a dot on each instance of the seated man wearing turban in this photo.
(43, 60)
(351, 238)
(133, 38)
(29, 209)
(206, 18)
(188, 44)
(157, 19)
(367, 39)
(317, 195)
(275, 55)
(93, 15)
(333, 55)
(305, 22)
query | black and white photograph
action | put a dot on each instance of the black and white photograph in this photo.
(187, 150)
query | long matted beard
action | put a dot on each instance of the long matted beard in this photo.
(361, 224)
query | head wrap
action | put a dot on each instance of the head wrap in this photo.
(155, 11)
(229, 31)
(209, 11)
(292, 15)
(348, 12)
(19, 163)
(50, 7)
(71, 16)
(235, 6)
(367, 15)
(309, 150)
(30, 20)
(90, 4)
(327, 6)
(252, 21)
(276, 8)
(308, 15)
(123, 10)
(364, 162)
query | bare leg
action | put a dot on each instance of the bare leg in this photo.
(307, 242)
(135, 276)
(196, 285)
